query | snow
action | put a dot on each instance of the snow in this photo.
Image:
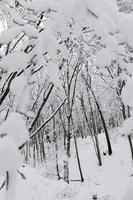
(127, 92)
(11, 64)
(129, 68)
(111, 181)
(35, 187)
(105, 26)
(112, 177)
(119, 37)
(17, 18)
(9, 154)
(103, 58)
(66, 6)
(128, 193)
(125, 27)
(19, 88)
(45, 39)
(18, 84)
(127, 127)
(30, 31)
(11, 192)
(110, 24)
(103, 6)
(101, 29)
(111, 43)
(53, 73)
(40, 5)
(15, 127)
(8, 35)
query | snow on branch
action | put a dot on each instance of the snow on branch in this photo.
(35, 133)
(41, 106)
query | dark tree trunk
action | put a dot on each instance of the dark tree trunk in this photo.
(104, 124)
(66, 171)
(95, 142)
(123, 111)
(131, 145)
(78, 159)
(128, 111)
(95, 134)
(56, 146)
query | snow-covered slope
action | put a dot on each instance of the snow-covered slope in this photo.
(112, 181)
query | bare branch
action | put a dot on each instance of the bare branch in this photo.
(8, 88)
(35, 133)
(41, 106)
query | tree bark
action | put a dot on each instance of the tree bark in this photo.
(78, 159)
(104, 124)
(131, 145)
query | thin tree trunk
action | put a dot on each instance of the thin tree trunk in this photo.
(128, 111)
(123, 111)
(95, 142)
(95, 133)
(104, 124)
(98, 150)
(78, 159)
(66, 170)
(10, 185)
(56, 148)
(131, 145)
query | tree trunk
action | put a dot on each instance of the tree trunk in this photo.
(123, 111)
(66, 170)
(128, 111)
(95, 135)
(56, 146)
(95, 142)
(78, 159)
(131, 145)
(10, 185)
(104, 124)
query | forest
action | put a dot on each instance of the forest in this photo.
(66, 98)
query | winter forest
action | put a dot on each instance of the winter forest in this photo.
(66, 99)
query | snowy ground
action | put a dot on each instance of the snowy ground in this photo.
(108, 182)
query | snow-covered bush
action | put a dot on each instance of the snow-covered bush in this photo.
(13, 133)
